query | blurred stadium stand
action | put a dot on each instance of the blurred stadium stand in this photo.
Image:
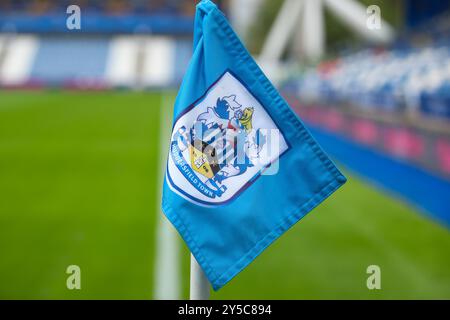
(385, 112)
(92, 61)
(140, 43)
(395, 80)
(111, 16)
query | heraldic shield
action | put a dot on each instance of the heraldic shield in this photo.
(222, 143)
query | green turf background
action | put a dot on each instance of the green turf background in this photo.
(78, 185)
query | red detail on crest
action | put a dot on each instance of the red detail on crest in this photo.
(230, 126)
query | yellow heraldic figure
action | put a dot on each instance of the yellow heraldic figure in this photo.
(246, 119)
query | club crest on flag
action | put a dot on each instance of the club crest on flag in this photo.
(221, 144)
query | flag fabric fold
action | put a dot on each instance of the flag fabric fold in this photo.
(242, 168)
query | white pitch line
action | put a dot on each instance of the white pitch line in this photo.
(167, 264)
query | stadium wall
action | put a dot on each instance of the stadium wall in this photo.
(93, 61)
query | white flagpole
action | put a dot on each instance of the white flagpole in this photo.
(199, 286)
(167, 265)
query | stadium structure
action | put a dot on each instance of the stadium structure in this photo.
(385, 109)
(381, 108)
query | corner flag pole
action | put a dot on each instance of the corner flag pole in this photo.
(167, 269)
(199, 287)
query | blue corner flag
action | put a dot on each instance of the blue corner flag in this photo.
(242, 168)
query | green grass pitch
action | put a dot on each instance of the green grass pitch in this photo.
(78, 185)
